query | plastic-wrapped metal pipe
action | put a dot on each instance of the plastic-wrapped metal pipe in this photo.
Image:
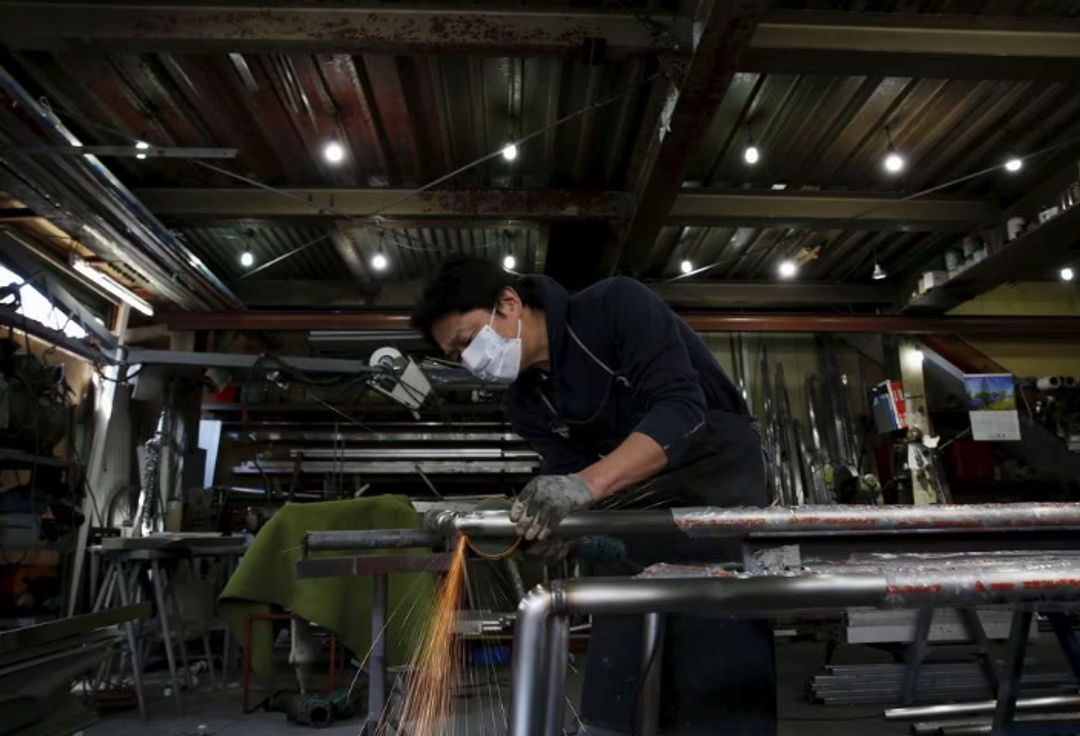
(955, 585)
(719, 522)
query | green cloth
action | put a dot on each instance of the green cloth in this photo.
(267, 575)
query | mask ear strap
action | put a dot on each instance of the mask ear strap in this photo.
(493, 310)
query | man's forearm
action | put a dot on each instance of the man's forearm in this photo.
(638, 458)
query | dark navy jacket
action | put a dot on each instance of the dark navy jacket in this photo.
(665, 381)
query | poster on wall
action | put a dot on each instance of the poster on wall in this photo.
(991, 399)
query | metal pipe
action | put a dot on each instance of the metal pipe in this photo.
(557, 644)
(953, 710)
(371, 539)
(709, 521)
(749, 594)
(377, 667)
(648, 698)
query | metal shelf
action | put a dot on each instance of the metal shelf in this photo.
(9, 458)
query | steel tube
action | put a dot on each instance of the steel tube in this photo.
(749, 594)
(979, 707)
(371, 539)
(558, 641)
(652, 654)
(377, 668)
(709, 521)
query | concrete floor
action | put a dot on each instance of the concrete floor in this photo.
(481, 715)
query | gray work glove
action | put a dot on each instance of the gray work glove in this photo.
(545, 501)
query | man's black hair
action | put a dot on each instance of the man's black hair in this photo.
(464, 284)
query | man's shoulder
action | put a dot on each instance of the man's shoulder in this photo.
(613, 287)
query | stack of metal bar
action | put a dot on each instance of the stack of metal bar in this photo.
(860, 684)
(39, 663)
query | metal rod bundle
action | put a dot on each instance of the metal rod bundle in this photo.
(708, 521)
(747, 594)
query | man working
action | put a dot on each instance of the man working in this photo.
(627, 407)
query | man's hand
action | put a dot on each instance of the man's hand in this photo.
(546, 500)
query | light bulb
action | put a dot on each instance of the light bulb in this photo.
(246, 259)
(686, 266)
(142, 145)
(379, 262)
(915, 358)
(788, 268)
(140, 156)
(751, 154)
(1014, 164)
(509, 151)
(879, 272)
(509, 262)
(894, 162)
(333, 152)
(1066, 274)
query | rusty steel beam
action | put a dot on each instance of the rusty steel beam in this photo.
(476, 204)
(853, 211)
(710, 295)
(524, 207)
(701, 321)
(924, 45)
(330, 28)
(723, 32)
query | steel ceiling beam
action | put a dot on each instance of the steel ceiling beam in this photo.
(924, 45)
(851, 211)
(450, 208)
(330, 28)
(707, 295)
(723, 31)
(1036, 254)
(701, 321)
(477, 204)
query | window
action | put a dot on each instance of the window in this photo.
(35, 306)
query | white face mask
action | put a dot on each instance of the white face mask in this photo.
(492, 357)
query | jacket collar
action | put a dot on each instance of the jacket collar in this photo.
(556, 303)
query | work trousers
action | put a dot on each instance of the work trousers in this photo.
(718, 672)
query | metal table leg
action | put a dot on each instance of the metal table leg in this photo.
(166, 634)
(377, 660)
(916, 654)
(1066, 640)
(652, 654)
(970, 619)
(180, 639)
(136, 662)
(1014, 669)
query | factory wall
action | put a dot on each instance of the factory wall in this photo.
(797, 353)
(1029, 356)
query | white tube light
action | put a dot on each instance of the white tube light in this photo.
(112, 286)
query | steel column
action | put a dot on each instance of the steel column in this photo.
(377, 663)
(1009, 689)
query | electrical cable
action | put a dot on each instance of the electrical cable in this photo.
(419, 190)
(915, 195)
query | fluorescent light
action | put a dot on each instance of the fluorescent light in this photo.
(140, 156)
(779, 187)
(509, 262)
(112, 286)
(333, 152)
(1067, 274)
(379, 262)
(879, 272)
(894, 162)
(509, 151)
(686, 266)
(247, 258)
(788, 268)
(1014, 164)
(751, 155)
(142, 145)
